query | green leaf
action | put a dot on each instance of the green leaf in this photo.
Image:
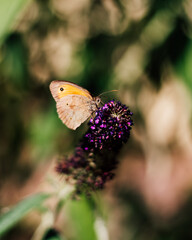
(54, 238)
(43, 142)
(53, 234)
(183, 67)
(82, 218)
(10, 218)
(9, 11)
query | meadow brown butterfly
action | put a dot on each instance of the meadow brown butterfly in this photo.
(74, 103)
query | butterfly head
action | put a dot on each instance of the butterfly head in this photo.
(95, 104)
(97, 100)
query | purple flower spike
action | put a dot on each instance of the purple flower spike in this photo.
(114, 127)
(94, 160)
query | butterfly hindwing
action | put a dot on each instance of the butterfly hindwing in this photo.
(73, 110)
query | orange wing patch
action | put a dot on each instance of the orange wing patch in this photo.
(66, 89)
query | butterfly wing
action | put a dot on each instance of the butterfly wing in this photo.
(73, 110)
(60, 89)
(73, 103)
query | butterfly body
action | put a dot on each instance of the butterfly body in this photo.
(74, 103)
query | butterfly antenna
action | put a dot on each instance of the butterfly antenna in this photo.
(108, 92)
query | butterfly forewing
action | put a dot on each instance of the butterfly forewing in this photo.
(68, 89)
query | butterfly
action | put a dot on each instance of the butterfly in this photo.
(74, 103)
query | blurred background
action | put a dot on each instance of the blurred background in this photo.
(143, 48)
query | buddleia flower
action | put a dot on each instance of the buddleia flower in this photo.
(95, 158)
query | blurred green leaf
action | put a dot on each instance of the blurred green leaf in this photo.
(14, 61)
(52, 234)
(43, 131)
(9, 10)
(10, 218)
(184, 66)
(82, 217)
(54, 238)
